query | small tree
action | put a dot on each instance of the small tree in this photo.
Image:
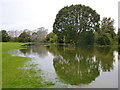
(5, 36)
(103, 40)
(51, 37)
(107, 33)
(107, 26)
(24, 37)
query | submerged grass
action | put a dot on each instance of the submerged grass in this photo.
(12, 76)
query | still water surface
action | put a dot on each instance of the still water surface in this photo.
(73, 67)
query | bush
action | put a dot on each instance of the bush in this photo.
(103, 40)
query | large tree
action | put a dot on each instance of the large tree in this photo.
(71, 21)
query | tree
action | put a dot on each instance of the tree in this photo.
(0, 36)
(118, 36)
(39, 35)
(5, 36)
(24, 37)
(107, 26)
(14, 33)
(71, 21)
(106, 33)
(103, 40)
(51, 37)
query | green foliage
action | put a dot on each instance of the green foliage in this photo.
(14, 39)
(107, 26)
(5, 36)
(71, 21)
(103, 40)
(24, 37)
(118, 36)
(86, 38)
(106, 35)
(51, 37)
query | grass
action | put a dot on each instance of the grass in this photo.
(12, 77)
(0, 66)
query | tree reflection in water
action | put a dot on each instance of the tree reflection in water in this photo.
(36, 50)
(77, 66)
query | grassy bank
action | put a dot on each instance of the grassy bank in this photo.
(12, 77)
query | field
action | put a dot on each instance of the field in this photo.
(12, 77)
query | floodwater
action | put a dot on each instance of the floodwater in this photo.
(73, 67)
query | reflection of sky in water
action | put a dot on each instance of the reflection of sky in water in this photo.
(44, 62)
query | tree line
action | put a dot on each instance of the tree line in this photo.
(75, 24)
(26, 35)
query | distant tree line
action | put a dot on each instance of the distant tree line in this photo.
(26, 35)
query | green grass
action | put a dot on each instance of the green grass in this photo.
(12, 77)
(0, 66)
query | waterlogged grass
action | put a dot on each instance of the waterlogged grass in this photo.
(13, 76)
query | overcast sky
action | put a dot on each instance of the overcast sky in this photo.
(32, 14)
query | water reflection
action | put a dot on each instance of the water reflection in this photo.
(25, 51)
(81, 65)
(71, 65)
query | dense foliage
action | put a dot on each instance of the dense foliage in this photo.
(119, 36)
(75, 21)
(106, 35)
(51, 38)
(5, 36)
(24, 37)
(80, 25)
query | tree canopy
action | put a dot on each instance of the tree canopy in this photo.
(24, 37)
(72, 20)
(106, 35)
(5, 36)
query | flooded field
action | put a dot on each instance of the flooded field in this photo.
(72, 67)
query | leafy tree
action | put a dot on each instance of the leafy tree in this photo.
(24, 37)
(107, 26)
(5, 36)
(71, 21)
(0, 36)
(86, 38)
(118, 36)
(51, 37)
(106, 33)
(14, 39)
(103, 40)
